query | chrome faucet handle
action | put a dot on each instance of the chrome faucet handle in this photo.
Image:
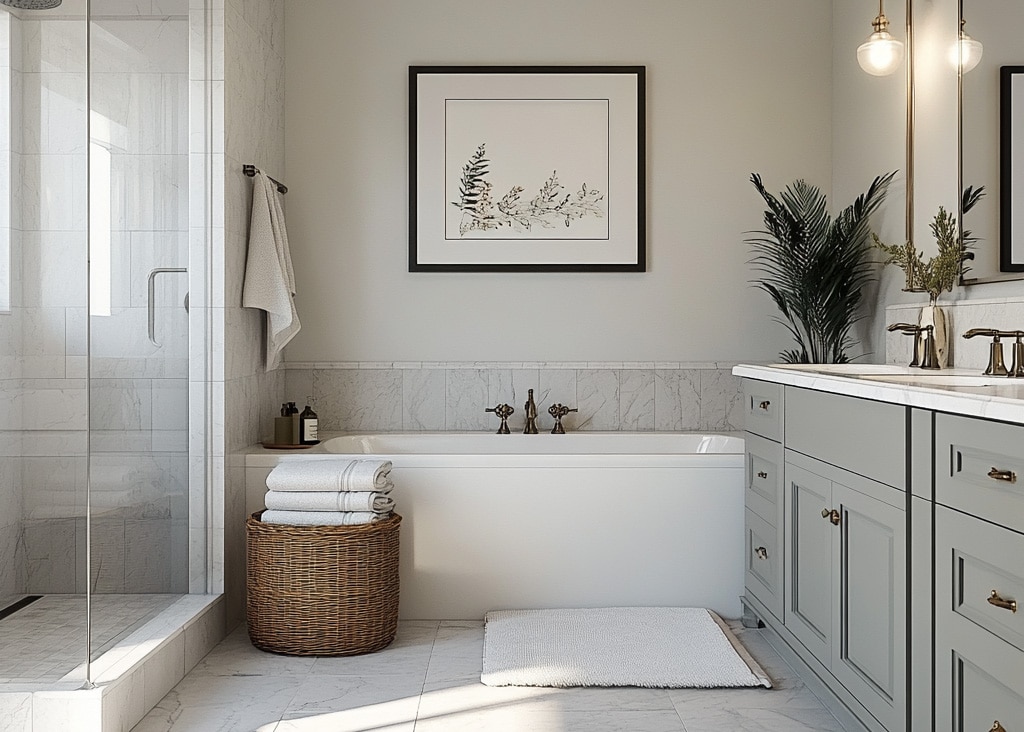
(503, 411)
(914, 330)
(558, 411)
(996, 365)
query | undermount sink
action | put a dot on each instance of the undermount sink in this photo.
(925, 378)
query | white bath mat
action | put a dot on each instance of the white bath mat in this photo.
(657, 647)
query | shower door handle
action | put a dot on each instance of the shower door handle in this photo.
(151, 301)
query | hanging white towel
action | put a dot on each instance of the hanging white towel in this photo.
(332, 474)
(328, 501)
(269, 280)
(321, 518)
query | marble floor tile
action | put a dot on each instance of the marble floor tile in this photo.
(760, 720)
(428, 680)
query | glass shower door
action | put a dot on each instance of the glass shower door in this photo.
(138, 322)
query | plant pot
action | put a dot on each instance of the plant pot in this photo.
(935, 316)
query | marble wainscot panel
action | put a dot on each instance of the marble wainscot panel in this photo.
(439, 396)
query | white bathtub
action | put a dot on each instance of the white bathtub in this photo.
(576, 520)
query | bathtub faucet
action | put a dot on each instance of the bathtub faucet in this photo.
(503, 411)
(558, 411)
(531, 415)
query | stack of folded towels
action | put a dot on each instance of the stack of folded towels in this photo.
(330, 492)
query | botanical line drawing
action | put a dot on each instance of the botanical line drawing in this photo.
(547, 209)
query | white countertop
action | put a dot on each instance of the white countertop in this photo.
(957, 391)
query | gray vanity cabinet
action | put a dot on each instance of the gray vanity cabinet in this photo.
(902, 538)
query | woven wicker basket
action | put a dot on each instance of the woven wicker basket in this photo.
(322, 590)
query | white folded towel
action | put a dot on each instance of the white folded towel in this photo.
(269, 279)
(329, 501)
(321, 518)
(331, 475)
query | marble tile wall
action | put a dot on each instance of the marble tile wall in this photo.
(642, 397)
(1001, 314)
(253, 118)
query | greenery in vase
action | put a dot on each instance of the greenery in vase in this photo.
(940, 273)
(814, 268)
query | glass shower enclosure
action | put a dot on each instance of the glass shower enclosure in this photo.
(102, 495)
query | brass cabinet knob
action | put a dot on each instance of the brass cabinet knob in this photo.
(832, 515)
(764, 405)
(761, 474)
(997, 601)
(761, 552)
(996, 727)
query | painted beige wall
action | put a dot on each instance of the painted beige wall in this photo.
(727, 96)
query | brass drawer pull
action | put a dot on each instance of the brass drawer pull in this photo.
(996, 727)
(995, 599)
(761, 474)
(764, 405)
(761, 552)
(1005, 475)
(832, 515)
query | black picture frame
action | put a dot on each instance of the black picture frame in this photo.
(527, 169)
(1011, 169)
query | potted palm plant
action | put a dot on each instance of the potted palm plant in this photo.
(815, 267)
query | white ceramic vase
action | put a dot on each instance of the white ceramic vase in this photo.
(935, 316)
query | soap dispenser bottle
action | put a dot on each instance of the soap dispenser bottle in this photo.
(293, 415)
(308, 426)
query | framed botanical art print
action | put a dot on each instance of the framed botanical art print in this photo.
(527, 169)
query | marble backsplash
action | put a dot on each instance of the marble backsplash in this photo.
(1001, 314)
(619, 396)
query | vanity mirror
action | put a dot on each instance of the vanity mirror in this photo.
(985, 151)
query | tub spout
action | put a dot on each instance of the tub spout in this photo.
(531, 415)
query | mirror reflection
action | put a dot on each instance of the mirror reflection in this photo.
(996, 25)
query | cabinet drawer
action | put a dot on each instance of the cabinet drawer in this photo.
(859, 435)
(985, 702)
(763, 407)
(764, 562)
(978, 682)
(981, 559)
(979, 468)
(764, 478)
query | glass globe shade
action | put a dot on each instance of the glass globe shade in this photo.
(968, 52)
(880, 54)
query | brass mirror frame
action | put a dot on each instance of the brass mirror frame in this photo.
(1003, 276)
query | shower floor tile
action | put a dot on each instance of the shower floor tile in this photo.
(45, 640)
(429, 679)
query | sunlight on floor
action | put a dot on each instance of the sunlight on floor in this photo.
(452, 708)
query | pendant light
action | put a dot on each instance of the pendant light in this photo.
(967, 52)
(880, 54)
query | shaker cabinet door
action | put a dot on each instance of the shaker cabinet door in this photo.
(869, 639)
(809, 548)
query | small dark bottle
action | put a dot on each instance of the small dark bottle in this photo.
(308, 427)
